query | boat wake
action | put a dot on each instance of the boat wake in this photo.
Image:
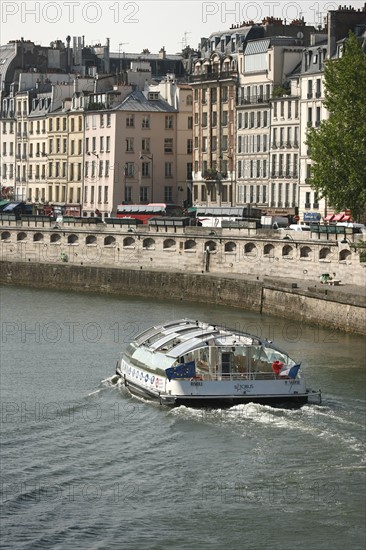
(319, 421)
(111, 381)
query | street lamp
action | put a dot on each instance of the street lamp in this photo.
(151, 157)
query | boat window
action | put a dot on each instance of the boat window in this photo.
(275, 355)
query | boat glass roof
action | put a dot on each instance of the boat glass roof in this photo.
(176, 338)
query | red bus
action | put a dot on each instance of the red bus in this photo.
(144, 212)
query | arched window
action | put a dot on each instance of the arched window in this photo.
(268, 250)
(21, 236)
(169, 244)
(250, 249)
(230, 247)
(211, 246)
(109, 241)
(148, 244)
(72, 239)
(38, 237)
(128, 242)
(344, 255)
(287, 252)
(190, 245)
(325, 254)
(55, 238)
(90, 239)
(5, 236)
(305, 252)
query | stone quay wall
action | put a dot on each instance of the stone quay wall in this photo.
(231, 252)
(238, 268)
(321, 306)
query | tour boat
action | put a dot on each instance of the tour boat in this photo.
(194, 363)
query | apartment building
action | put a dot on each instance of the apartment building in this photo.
(57, 154)
(131, 152)
(180, 96)
(38, 179)
(256, 151)
(8, 143)
(75, 149)
(234, 134)
(233, 78)
(312, 113)
(184, 144)
(214, 117)
(23, 106)
(267, 124)
(100, 164)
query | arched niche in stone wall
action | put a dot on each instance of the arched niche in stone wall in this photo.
(269, 251)
(344, 255)
(55, 238)
(72, 239)
(38, 237)
(211, 246)
(230, 247)
(287, 251)
(190, 245)
(325, 253)
(90, 240)
(169, 244)
(305, 253)
(148, 244)
(109, 241)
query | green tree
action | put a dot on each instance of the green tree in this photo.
(338, 146)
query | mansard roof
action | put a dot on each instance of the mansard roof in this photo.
(139, 101)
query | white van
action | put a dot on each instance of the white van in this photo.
(295, 227)
(357, 227)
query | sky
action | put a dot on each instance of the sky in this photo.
(138, 24)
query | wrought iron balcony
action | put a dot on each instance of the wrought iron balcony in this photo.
(215, 76)
(253, 99)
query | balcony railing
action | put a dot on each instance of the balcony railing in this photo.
(213, 76)
(253, 99)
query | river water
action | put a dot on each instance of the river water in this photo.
(86, 466)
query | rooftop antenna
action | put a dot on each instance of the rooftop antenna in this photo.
(184, 39)
(119, 55)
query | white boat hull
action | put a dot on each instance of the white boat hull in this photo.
(213, 392)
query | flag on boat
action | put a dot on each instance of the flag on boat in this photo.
(290, 372)
(185, 370)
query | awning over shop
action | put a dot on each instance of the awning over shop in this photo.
(12, 206)
(329, 217)
(343, 216)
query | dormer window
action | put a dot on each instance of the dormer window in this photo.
(153, 96)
